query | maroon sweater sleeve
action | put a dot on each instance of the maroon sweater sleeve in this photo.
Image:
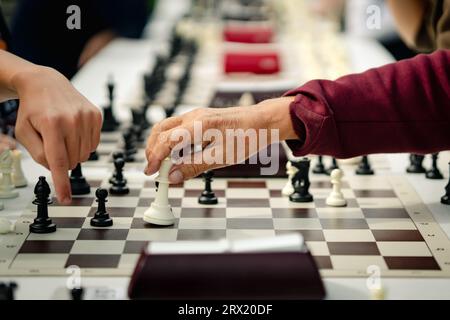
(400, 107)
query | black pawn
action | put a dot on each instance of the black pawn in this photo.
(78, 183)
(415, 165)
(93, 156)
(207, 196)
(319, 167)
(434, 172)
(101, 217)
(446, 198)
(7, 291)
(42, 223)
(333, 166)
(300, 182)
(119, 186)
(116, 155)
(364, 168)
(77, 294)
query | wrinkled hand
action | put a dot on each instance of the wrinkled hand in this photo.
(233, 147)
(6, 143)
(56, 124)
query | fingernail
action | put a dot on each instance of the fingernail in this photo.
(176, 177)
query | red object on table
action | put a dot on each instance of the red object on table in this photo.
(248, 34)
(251, 62)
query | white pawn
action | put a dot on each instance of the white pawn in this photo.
(288, 188)
(6, 186)
(160, 212)
(17, 174)
(6, 226)
(246, 100)
(336, 197)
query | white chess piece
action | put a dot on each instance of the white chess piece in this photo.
(336, 197)
(18, 177)
(6, 226)
(6, 186)
(246, 100)
(288, 188)
(160, 212)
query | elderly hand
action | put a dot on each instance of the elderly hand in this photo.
(227, 136)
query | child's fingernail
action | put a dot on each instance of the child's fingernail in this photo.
(176, 177)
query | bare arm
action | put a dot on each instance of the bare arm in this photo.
(408, 16)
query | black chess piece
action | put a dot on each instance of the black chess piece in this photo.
(101, 217)
(93, 156)
(364, 167)
(446, 197)
(333, 166)
(319, 168)
(119, 185)
(7, 291)
(300, 182)
(129, 146)
(109, 120)
(434, 172)
(416, 165)
(42, 223)
(207, 196)
(78, 183)
(77, 294)
(116, 155)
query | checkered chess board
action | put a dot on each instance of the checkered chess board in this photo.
(385, 224)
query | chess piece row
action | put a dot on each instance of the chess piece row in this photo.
(12, 176)
(416, 166)
(364, 167)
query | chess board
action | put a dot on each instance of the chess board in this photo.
(385, 224)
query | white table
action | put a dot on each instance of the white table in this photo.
(126, 60)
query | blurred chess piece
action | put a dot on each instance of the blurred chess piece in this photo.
(18, 177)
(336, 197)
(6, 186)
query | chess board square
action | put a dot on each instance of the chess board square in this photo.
(72, 212)
(254, 223)
(379, 203)
(339, 213)
(152, 235)
(308, 235)
(118, 223)
(370, 182)
(276, 184)
(98, 247)
(202, 223)
(353, 248)
(248, 202)
(241, 193)
(321, 203)
(333, 235)
(46, 246)
(412, 263)
(93, 260)
(326, 184)
(196, 193)
(146, 202)
(40, 260)
(275, 193)
(115, 212)
(128, 202)
(149, 184)
(68, 222)
(176, 192)
(60, 235)
(139, 223)
(367, 193)
(318, 248)
(94, 183)
(324, 193)
(134, 247)
(102, 234)
(76, 202)
(387, 213)
(128, 261)
(261, 184)
(200, 234)
(208, 212)
(285, 203)
(188, 202)
(147, 193)
(403, 249)
(249, 213)
(344, 224)
(199, 184)
(391, 224)
(323, 262)
(297, 224)
(294, 213)
(344, 262)
(397, 235)
(248, 233)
